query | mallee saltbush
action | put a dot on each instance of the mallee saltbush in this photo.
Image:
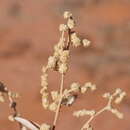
(59, 61)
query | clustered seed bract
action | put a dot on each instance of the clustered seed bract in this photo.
(59, 62)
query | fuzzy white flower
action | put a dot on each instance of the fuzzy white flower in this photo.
(51, 62)
(45, 126)
(71, 23)
(75, 40)
(75, 87)
(86, 43)
(67, 14)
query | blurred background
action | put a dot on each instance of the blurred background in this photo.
(28, 31)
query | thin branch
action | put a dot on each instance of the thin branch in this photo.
(97, 113)
(92, 117)
(59, 104)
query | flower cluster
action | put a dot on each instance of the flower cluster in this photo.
(4, 92)
(45, 126)
(84, 112)
(69, 95)
(59, 62)
(115, 97)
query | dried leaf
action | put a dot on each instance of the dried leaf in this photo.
(28, 124)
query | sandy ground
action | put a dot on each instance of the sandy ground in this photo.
(28, 31)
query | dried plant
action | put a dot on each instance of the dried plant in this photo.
(59, 61)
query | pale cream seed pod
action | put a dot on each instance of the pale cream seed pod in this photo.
(45, 126)
(75, 87)
(83, 89)
(87, 86)
(120, 98)
(67, 14)
(45, 94)
(118, 91)
(2, 97)
(64, 56)
(63, 27)
(123, 94)
(44, 84)
(106, 95)
(11, 118)
(76, 42)
(117, 113)
(43, 89)
(44, 69)
(44, 80)
(89, 127)
(93, 87)
(66, 93)
(84, 112)
(45, 103)
(53, 107)
(55, 95)
(90, 86)
(71, 23)
(86, 42)
(51, 62)
(44, 76)
(23, 128)
(63, 68)
(13, 95)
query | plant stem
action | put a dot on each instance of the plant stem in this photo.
(92, 117)
(59, 104)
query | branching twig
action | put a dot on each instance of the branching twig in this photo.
(60, 101)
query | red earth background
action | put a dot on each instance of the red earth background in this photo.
(28, 31)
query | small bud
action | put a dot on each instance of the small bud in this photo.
(63, 68)
(44, 69)
(23, 128)
(51, 62)
(86, 43)
(75, 40)
(84, 112)
(71, 23)
(44, 80)
(106, 95)
(118, 91)
(42, 91)
(75, 87)
(45, 102)
(63, 27)
(55, 95)
(2, 98)
(120, 98)
(64, 56)
(67, 14)
(87, 86)
(117, 113)
(53, 107)
(45, 127)
(13, 95)
(89, 128)
(11, 118)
